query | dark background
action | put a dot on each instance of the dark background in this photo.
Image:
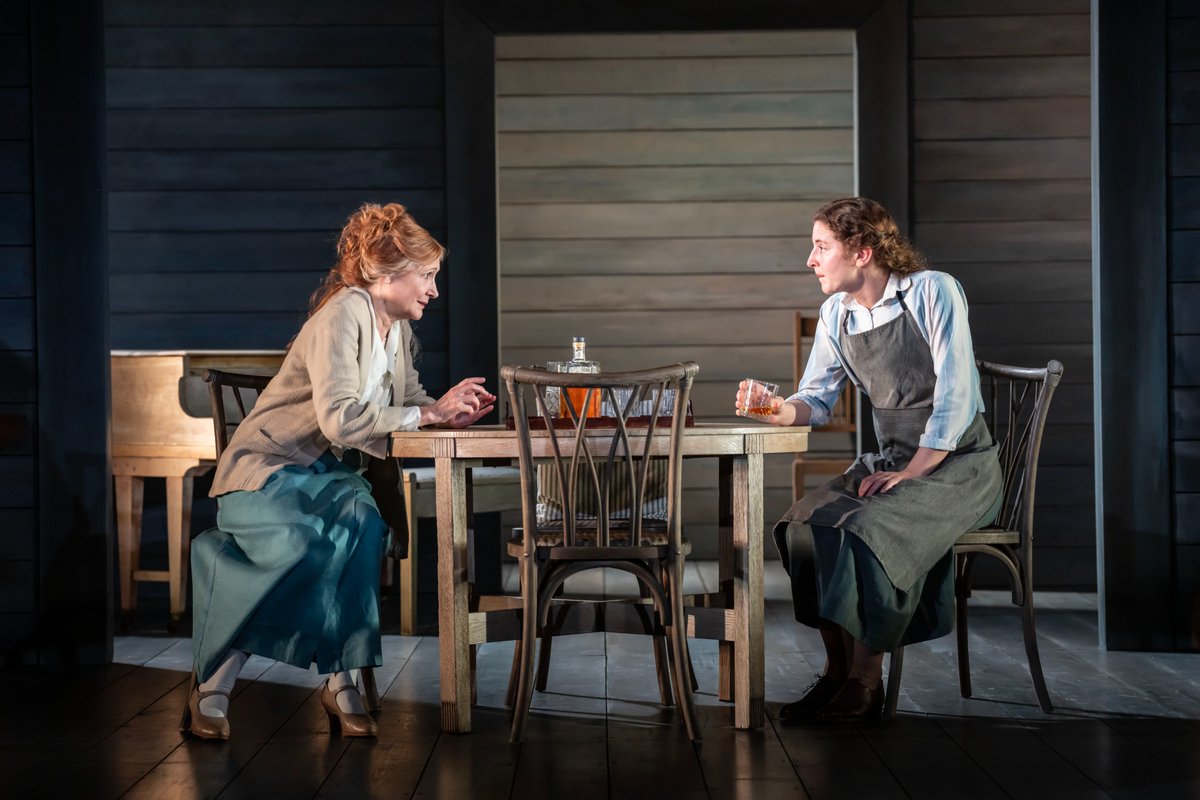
(174, 175)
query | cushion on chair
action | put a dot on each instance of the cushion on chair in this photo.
(493, 489)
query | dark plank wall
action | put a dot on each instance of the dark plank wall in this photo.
(1183, 150)
(240, 138)
(18, 389)
(1001, 200)
(75, 543)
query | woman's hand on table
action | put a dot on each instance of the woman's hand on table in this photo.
(463, 405)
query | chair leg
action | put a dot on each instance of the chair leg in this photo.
(662, 659)
(514, 675)
(407, 593)
(529, 584)
(553, 626)
(678, 633)
(691, 671)
(370, 689)
(962, 630)
(1031, 652)
(474, 655)
(895, 668)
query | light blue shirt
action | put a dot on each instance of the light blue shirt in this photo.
(939, 307)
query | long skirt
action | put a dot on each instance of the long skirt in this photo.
(291, 572)
(836, 578)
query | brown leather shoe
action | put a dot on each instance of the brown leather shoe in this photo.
(349, 724)
(856, 702)
(199, 724)
(815, 697)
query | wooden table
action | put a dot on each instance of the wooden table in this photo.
(733, 616)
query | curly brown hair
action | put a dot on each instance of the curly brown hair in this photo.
(861, 222)
(376, 241)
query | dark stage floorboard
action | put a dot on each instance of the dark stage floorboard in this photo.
(1125, 725)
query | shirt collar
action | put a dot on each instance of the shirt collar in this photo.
(896, 283)
(371, 305)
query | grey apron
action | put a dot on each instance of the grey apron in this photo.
(910, 528)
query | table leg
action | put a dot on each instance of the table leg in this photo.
(129, 492)
(453, 594)
(749, 680)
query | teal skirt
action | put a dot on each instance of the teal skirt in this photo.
(836, 578)
(291, 572)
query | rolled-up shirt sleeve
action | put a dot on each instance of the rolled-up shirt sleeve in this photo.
(943, 315)
(824, 376)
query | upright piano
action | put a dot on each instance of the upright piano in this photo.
(162, 427)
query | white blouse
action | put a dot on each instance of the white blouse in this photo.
(378, 388)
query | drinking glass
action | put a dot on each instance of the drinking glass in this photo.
(758, 396)
(553, 393)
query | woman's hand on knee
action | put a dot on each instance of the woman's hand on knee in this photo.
(878, 482)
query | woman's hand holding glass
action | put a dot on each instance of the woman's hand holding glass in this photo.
(759, 400)
(463, 405)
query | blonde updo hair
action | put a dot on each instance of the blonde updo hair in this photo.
(860, 222)
(377, 241)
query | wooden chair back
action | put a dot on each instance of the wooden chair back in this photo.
(1017, 401)
(231, 407)
(601, 457)
(844, 417)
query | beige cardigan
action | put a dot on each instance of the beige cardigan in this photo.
(313, 401)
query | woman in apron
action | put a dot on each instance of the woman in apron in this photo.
(869, 553)
(291, 572)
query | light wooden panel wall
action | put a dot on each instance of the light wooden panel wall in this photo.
(655, 192)
(240, 138)
(1001, 199)
(1183, 146)
(18, 347)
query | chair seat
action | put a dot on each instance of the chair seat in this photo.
(990, 536)
(493, 489)
(424, 477)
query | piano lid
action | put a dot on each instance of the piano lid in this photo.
(160, 405)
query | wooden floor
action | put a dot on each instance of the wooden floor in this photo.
(1126, 725)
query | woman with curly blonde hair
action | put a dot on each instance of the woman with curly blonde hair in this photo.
(291, 572)
(869, 553)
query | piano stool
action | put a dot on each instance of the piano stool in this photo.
(162, 427)
(490, 489)
(129, 476)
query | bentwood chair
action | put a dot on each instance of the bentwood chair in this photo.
(1017, 400)
(842, 420)
(598, 458)
(233, 395)
(654, 519)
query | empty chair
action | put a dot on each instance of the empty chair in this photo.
(598, 459)
(1018, 400)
